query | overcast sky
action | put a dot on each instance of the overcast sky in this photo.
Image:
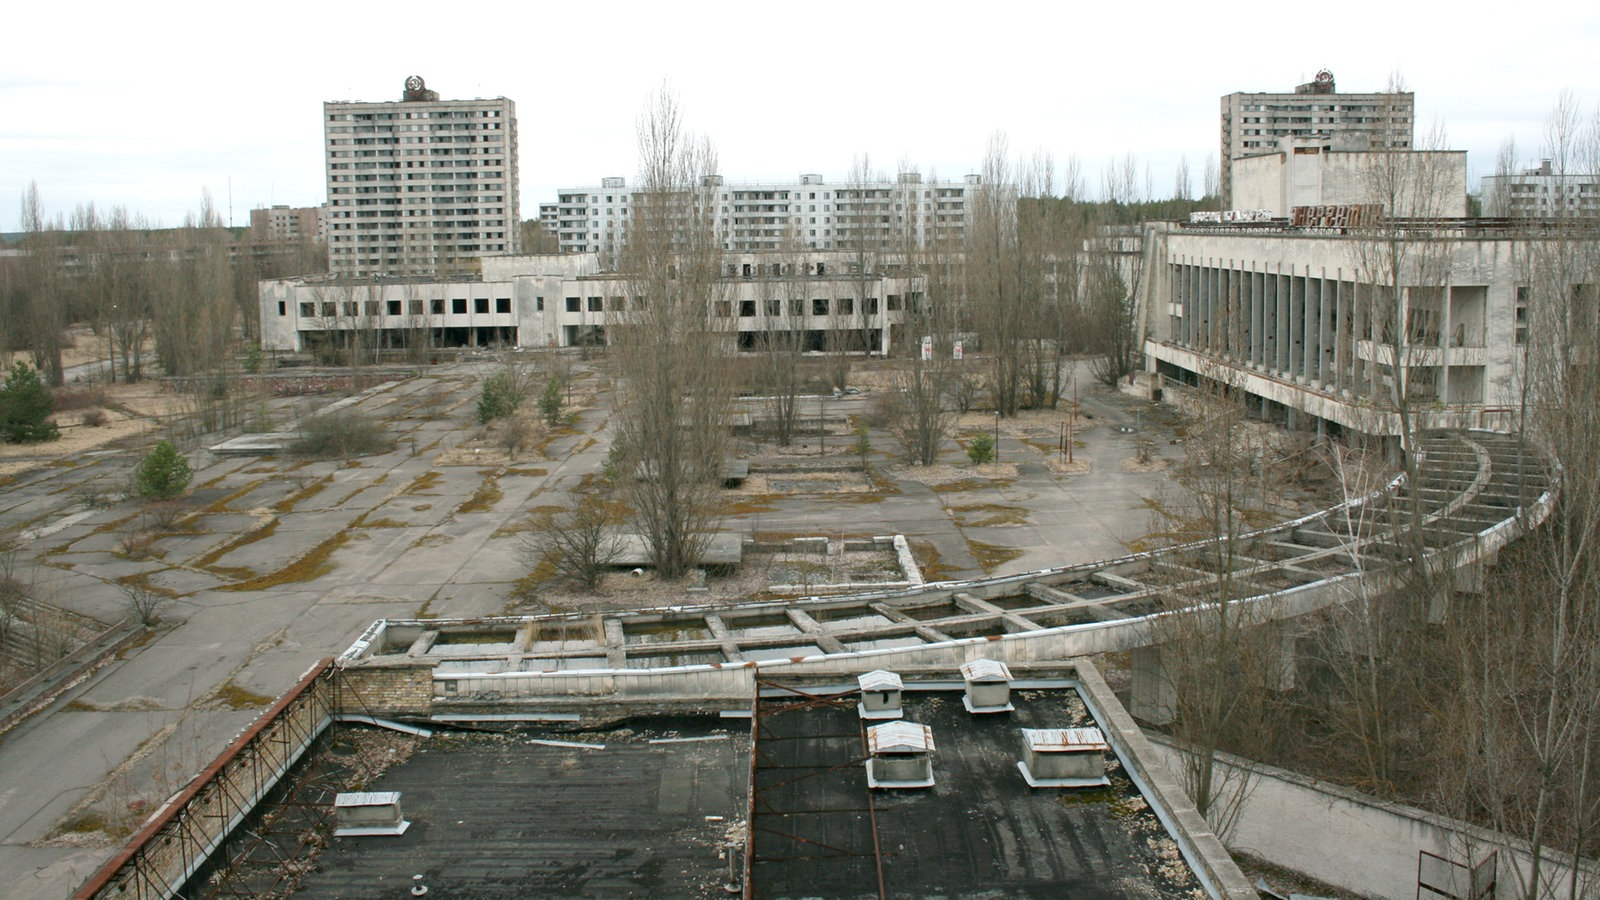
(147, 105)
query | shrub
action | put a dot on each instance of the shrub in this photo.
(340, 436)
(94, 418)
(980, 449)
(163, 474)
(503, 392)
(25, 407)
(577, 539)
(515, 433)
(71, 399)
(551, 402)
(862, 444)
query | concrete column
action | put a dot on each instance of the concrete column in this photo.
(1468, 579)
(1153, 698)
(1282, 635)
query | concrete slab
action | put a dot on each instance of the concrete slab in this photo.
(723, 549)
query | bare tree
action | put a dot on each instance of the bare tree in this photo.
(194, 321)
(1220, 659)
(672, 416)
(996, 277)
(916, 409)
(579, 540)
(38, 313)
(1529, 649)
(1111, 332)
(782, 298)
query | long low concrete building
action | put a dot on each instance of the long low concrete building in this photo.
(822, 300)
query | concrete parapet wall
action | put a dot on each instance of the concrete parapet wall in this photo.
(403, 688)
(1200, 846)
(1366, 845)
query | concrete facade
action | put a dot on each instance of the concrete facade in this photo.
(420, 185)
(285, 223)
(1319, 828)
(566, 300)
(1315, 172)
(1252, 123)
(1288, 314)
(1541, 193)
(773, 215)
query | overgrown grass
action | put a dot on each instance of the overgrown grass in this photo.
(927, 557)
(221, 504)
(232, 696)
(142, 580)
(970, 484)
(749, 506)
(986, 515)
(250, 537)
(485, 497)
(991, 556)
(313, 565)
(422, 482)
(288, 503)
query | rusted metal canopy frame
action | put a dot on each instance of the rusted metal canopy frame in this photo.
(136, 873)
(845, 700)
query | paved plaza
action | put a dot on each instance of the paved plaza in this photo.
(282, 562)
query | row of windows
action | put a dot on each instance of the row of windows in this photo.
(819, 306)
(419, 114)
(349, 309)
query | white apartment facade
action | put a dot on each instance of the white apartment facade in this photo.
(1541, 193)
(420, 185)
(809, 213)
(1253, 123)
(823, 299)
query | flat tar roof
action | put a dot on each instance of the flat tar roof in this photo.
(980, 831)
(507, 816)
(648, 809)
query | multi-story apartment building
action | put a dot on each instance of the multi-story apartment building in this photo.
(1253, 123)
(806, 214)
(420, 185)
(285, 223)
(1541, 193)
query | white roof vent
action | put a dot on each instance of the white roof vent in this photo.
(880, 695)
(900, 755)
(988, 686)
(1064, 757)
(368, 813)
